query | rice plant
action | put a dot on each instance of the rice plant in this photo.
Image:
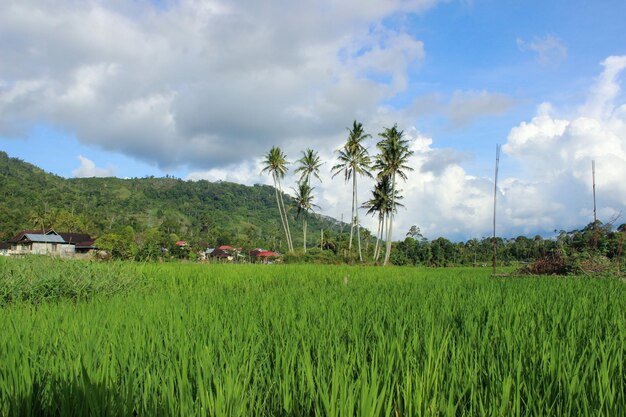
(293, 340)
(40, 278)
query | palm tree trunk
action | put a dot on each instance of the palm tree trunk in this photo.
(390, 226)
(377, 237)
(352, 216)
(282, 202)
(280, 211)
(304, 231)
(356, 219)
(382, 231)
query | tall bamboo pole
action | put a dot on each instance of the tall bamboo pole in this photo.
(594, 240)
(593, 185)
(495, 194)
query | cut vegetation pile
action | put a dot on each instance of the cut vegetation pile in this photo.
(557, 263)
(237, 340)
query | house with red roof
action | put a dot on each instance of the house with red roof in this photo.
(263, 256)
(224, 253)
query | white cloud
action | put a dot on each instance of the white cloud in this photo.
(462, 107)
(439, 195)
(601, 101)
(201, 84)
(465, 106)
(553, 191)
(556, 154)
(246, 172)
(214, 84)
(89, 169)
(549, 49)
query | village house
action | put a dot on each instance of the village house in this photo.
(83, 243)
(49, 242)
(224, 253)
(263, 256)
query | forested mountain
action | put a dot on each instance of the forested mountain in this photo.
(156, 209)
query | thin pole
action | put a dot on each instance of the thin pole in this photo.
(594, 240)
(593, 182)
(495, 193)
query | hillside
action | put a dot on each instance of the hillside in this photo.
(166, 209)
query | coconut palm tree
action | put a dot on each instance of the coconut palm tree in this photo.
(375, 205)
(354, 160)
(304, 203)
(275, 164)
(392, 162)
(309, 165)
(381, 203)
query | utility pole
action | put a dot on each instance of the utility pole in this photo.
(495, 193)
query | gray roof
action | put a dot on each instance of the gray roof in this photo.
(44, 238)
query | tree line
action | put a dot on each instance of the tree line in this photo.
(139, 218)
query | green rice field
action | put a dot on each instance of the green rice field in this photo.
(97, 339)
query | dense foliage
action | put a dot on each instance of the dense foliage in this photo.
(593, 243)
(137, 217)
(244, 340)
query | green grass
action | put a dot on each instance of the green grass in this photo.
(37, 279)
(293, 340)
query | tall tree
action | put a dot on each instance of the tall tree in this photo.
(304, 203)
(309, 165)
(391, 162)
(354, 160)
(381, 203)
(275, 164)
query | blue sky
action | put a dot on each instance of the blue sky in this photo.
(200, 89)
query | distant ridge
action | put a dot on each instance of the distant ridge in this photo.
(197, 211)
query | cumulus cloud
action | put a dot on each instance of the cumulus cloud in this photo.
(556, 153)
(89, 169)
(549, 49)
(201, 84)
(552, 191)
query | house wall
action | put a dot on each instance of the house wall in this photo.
(40, 248)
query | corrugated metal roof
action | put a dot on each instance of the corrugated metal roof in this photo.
(44, 238)
(267, 254)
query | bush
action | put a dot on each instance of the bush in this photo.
(313, 256)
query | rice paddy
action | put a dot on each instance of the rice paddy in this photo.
(296, 340)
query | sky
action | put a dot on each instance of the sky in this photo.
(201, 89)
